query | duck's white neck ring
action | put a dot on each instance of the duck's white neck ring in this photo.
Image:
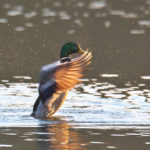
(65, 59)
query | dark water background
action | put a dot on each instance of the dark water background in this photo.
(110, 110)
(32, 34)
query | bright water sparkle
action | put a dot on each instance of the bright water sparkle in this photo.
(91, 104)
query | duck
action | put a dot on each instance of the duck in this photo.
(58, 78)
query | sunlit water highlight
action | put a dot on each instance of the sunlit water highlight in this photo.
(91, 104)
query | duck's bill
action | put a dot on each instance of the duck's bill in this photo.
(81, 51)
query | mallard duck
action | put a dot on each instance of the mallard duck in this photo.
(58, 78)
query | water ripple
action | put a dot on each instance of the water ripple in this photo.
(90, 103)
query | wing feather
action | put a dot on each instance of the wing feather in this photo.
(69, 73)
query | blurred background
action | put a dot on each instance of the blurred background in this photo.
(117, 32)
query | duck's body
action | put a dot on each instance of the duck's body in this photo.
(56, 80)
(52, 105)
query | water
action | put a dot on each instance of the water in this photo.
(61, 136)
(95, 115)
(110, 109)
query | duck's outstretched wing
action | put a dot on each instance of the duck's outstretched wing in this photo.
(55, 81)
(69, 73)
(63, 76)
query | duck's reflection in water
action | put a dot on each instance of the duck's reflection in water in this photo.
(60, 136)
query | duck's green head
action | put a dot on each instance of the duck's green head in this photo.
(70, 48)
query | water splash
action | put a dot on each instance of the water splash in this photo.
(92, 103)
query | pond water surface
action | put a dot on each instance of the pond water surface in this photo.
(111, 108)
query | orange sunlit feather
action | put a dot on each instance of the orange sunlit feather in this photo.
(69, 73)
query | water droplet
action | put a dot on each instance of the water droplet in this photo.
(6, 145)
(145, 77)
(5, 81)
(19, 29)
(85, 14)
(107, 24)
(17, 10)
(23, 77)
(80, 4)
(118, 12)
(64, 15)
(97, 5)
(117, 135)
(78, 22)
(111, 147)
(136, 31)
(14, 13)
(45, 21)
(10, 133)
(47, 12)
(71, 31)
(29, 139)
(145, 23)
(30, 14)
(97, 142)
(130, 15)
(3, 20)
(28, 24)
(109, 75)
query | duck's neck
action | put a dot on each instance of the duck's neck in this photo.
(65, 59)
(64, 53)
